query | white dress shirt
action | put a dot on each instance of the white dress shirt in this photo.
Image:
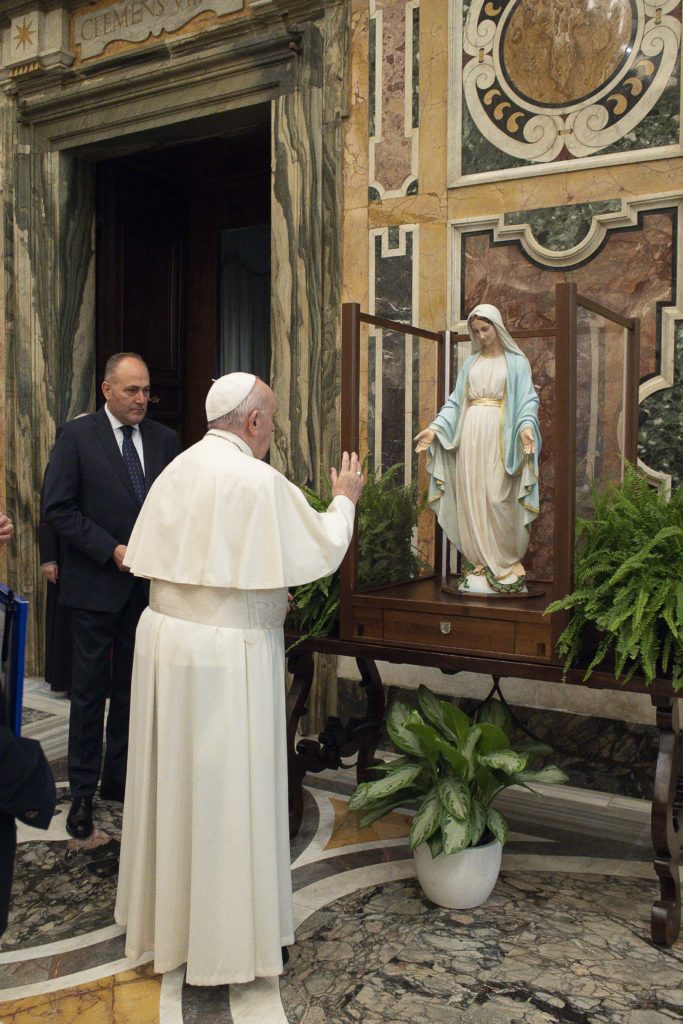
(117, 427)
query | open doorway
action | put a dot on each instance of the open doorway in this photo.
(183, 265)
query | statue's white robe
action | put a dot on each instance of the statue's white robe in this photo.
(204, 876)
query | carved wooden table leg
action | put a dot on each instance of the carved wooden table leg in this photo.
(301, 666)
(374, 714)
(667, 824)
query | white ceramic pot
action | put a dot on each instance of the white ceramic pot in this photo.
(459, 880)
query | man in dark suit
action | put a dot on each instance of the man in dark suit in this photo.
(100, 469)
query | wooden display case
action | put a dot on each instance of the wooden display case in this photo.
(395, 378)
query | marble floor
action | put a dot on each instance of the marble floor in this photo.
(563, 938)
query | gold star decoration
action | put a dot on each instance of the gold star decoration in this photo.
(24, 36)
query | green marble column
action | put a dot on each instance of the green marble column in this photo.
(306, 275)
(50, 345)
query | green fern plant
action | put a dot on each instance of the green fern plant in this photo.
(314, 610)
(454, 767)
(387, 515)
(628, 584)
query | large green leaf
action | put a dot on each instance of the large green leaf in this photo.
(507, 761)
(397, 715)
(488, 783)
(469, 742)
(454, 758)
(378, 812)
(455, 797)
(456, 720)
(456, 834)
(428, 736)
(426, 821)
(433, 709)
(492, 738)
(435, 844)
(551, 775)
(497, 824)
(496, 713)
(370, 792)
(477, 821)
(386, 767)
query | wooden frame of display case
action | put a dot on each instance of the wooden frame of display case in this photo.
(418, 614)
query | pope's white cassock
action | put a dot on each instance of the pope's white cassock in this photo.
(205, 876)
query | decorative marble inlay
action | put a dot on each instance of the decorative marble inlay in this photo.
(391, 373)
(134, 21)
(568, 52)
(551, 83)
(564, 229)
(626, 259)
(394, 107)
(661, 416)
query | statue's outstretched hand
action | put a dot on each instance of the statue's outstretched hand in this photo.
(527, 438)
(424, 439)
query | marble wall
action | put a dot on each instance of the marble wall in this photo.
(545, 146)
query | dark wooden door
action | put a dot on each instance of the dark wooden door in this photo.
(160, 217)
(141, 260)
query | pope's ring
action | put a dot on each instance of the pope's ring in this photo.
(358, 472)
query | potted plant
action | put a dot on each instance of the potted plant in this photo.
(454, 767)
(627, 605)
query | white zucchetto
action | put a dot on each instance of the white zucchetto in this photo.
(226, 393)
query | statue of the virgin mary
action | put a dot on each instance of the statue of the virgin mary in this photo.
(483, 459)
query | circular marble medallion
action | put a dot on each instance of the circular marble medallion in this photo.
(559, 53)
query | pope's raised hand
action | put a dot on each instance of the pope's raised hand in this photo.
(348, 480)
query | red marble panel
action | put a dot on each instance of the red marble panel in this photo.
(631, 273)
(393, 152)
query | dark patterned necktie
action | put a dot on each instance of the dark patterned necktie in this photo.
(132, 461)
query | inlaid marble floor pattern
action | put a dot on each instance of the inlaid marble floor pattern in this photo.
(564, 937)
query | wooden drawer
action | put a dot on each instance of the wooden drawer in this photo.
(533, 641)
(368, 623)
(448, 631)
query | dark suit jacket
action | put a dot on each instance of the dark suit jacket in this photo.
(27, 792)
(90, 503)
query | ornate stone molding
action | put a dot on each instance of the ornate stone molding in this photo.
(394, 119)
(135, 21)
(538, 87)
(35, 41)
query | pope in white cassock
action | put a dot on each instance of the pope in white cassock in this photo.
(204, 876)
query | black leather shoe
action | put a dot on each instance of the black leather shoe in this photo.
(79, 819)
(112, 791)
(285, 955)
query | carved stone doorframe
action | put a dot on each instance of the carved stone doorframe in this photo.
(53, 130)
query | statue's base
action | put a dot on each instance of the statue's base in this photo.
(478, 586)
